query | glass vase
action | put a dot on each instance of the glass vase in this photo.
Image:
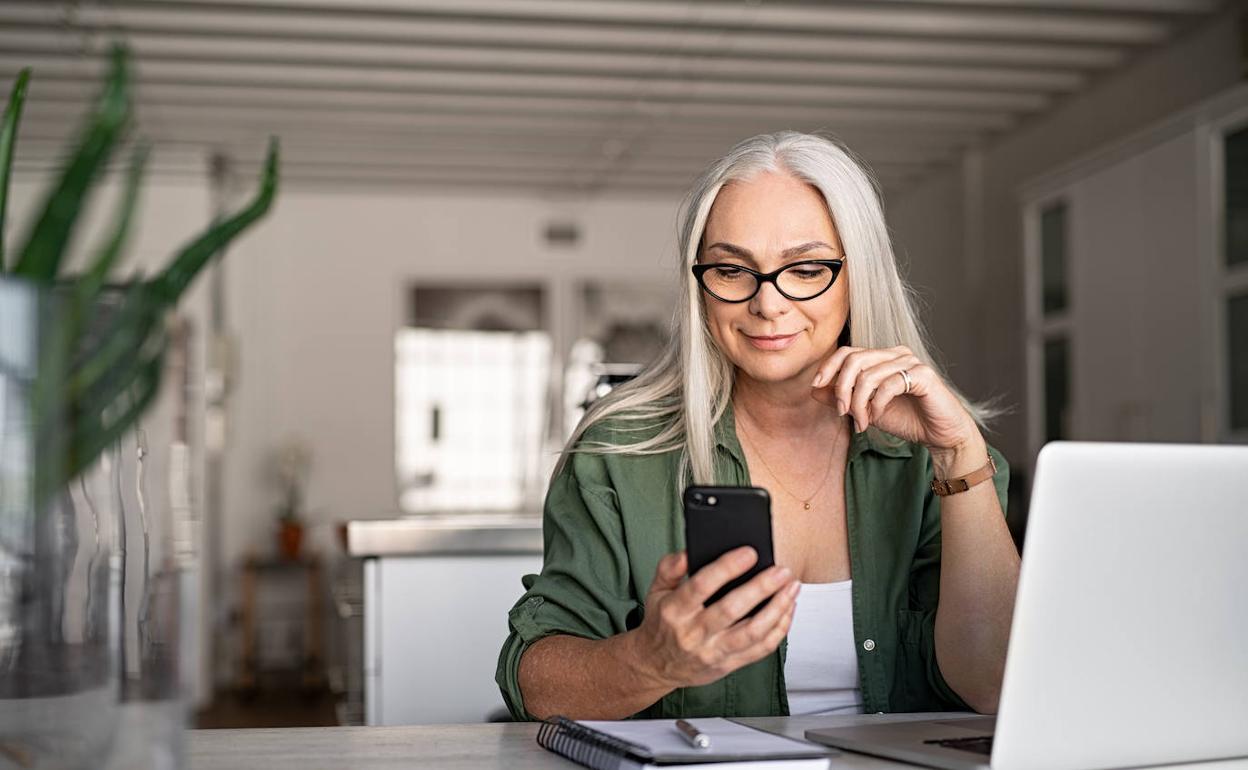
(96, 603)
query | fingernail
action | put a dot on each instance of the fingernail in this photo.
(785, 573)
(857, 426)
(818, 383)
(793, 589)
(840, 407)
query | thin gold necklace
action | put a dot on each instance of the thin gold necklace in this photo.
(805, 502)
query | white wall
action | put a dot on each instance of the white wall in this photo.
(988, 323)
(1135, 298)
(316, 296)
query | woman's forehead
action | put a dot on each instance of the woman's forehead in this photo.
(771, 209)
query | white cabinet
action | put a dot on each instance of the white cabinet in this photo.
(433, 626)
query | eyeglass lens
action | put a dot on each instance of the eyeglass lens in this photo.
(798, 281)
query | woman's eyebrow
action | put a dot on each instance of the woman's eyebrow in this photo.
(787, 254)
(805, 247)
(736, 251)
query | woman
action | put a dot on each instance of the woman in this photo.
(797, 365)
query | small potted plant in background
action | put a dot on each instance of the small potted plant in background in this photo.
(289, 466)
(95, 643)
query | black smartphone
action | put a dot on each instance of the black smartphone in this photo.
(719, 519)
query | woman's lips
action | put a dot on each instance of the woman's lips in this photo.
(774, 342)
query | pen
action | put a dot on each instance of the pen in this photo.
(696, 738)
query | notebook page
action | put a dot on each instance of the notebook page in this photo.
(728, 739)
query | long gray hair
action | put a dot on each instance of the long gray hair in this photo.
(676, 402)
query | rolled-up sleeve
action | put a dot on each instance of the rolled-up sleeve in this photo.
(926, 687)
(583, 589)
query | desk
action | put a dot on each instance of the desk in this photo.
(461, 747)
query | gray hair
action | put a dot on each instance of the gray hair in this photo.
(679, 399)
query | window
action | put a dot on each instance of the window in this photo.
(1232, 285)
(1053, 258)
(1049, 321)
(1235, 158)
(1056, 388)
(1237, 360)
(472, 401)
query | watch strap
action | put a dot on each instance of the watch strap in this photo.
(946, 487)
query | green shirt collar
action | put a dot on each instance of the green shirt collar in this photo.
(875, 440)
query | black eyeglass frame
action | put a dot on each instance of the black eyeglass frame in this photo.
(834, 265)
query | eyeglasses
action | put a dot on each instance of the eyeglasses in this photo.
(799, 281)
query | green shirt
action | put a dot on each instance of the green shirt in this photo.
(609, 518)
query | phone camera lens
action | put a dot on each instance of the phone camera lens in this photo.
(697, 497)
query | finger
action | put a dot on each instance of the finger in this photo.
(889, 388)
(740, 600)
(706, 581)
(755, 630)
(870, 380)
(847, 387)
(827, 370)
(670, 572)
(770, 641)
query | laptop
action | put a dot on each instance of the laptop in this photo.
(1129, 643)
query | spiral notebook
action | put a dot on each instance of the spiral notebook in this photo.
(643, 743)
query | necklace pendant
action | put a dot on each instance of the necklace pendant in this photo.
(806, 505)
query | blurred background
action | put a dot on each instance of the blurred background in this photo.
(475, 237)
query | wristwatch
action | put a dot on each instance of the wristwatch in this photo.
(947, 487)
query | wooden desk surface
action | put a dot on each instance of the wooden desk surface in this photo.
(460, 747)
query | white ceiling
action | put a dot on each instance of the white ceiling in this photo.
(566, 96)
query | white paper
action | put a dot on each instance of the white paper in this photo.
(728, 739)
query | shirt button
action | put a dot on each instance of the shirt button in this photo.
(868, 645)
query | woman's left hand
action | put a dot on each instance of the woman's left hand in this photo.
(867, 384)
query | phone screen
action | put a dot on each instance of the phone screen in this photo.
(719, 519)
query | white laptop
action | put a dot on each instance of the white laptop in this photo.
(1129, 644)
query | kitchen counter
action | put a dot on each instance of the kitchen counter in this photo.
(447, 534)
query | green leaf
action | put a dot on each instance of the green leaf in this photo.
(94, 425)
(170, 284)
(90, 367)
(90, 283)
(121, 343)
(8, 141)
(40, 258)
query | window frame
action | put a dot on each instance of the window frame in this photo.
(1222, 281)
(1043, 327)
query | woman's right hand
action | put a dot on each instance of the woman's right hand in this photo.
(683, 644)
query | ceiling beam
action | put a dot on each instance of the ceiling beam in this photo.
(587, 87)
(276, 107)
(363, 58)
(863, 18)
(400, 33)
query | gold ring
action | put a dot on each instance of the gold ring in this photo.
(905, 375)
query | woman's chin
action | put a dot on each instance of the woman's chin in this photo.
(775, 371)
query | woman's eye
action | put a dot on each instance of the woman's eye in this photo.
(810, 274)
(728, 273)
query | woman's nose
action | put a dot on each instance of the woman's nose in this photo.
(769, 302)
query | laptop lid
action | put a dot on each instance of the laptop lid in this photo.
(1129, 643)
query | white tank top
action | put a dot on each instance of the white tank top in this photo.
(821, 665)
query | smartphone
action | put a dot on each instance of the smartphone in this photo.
(719, 519)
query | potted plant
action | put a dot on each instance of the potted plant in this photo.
(81, 358)
(289, 466)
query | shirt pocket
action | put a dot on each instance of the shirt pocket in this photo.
(706, 701)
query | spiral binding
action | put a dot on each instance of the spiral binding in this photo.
(587, 746)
